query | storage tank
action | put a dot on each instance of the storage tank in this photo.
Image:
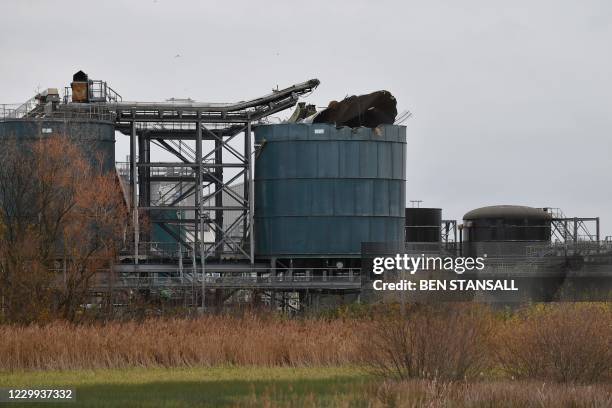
(505, 229)
(423, 224)
(321, 191)
(96, 138)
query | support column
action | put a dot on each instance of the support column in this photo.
(575, 232)
(147, 183)
(134, 180)
(219, 194)
(245, 187)
(251, 192)
(194, 246)
(199, 212)
(144, 195)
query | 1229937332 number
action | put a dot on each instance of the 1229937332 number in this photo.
(36, 394)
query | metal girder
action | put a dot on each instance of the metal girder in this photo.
(172, 222)
(165, 123)
(156, 130)
(574, 229)
(172, 150)
(224, 144)
(157, 113)
(225, 187)
(184, 179)
(290, 92)
(226, 238)
(207, 165)
(191, 208)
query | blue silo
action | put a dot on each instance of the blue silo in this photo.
(320, 191)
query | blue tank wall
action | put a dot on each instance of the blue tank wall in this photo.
(322, 190)
(95, 138)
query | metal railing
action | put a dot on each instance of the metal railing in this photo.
(98, 91)
(86, 112)
(565, 248)
(152, 252)
(256, 277)
(16, 110)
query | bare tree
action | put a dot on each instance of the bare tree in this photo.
(61, 220)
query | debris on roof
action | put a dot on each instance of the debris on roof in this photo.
(370, 110)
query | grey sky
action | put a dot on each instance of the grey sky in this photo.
(511, 100)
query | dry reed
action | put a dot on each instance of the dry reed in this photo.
(207, 341)
(561, 342)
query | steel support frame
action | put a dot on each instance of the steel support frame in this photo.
(208, 168)
(169, 125)
(569, 229)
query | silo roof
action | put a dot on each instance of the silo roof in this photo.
(509, 212)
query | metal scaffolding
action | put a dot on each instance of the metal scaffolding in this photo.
(208, 160)
(573, 229)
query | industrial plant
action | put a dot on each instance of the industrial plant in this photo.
(229, 206)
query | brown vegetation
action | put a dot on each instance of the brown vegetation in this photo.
(560, 342)
(443, 341)
(208, 341)
(61, 219)
(436, 394)
(432, 393)
(563, 342)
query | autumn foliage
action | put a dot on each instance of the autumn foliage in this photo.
(61, 219)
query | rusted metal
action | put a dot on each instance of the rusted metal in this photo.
(79, 92)
(370, 110)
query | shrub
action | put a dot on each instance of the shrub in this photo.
(567, 342)
(446, 341)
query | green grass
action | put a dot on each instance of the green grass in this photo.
(195, 387)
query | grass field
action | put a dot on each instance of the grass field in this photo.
(197, 387)
(296, 387)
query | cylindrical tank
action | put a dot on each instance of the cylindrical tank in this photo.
(423, 224)
(96, 138)
(504, 229)
(321, 191)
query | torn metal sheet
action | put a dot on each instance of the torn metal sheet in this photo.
(301, 112)
(370, 110)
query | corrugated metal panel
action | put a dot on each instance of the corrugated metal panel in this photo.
(322, 190)
(96, 138)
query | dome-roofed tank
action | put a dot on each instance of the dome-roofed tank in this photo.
(507, 223)
(504, 229)
(322, 191)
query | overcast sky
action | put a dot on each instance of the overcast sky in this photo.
(511, 100)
